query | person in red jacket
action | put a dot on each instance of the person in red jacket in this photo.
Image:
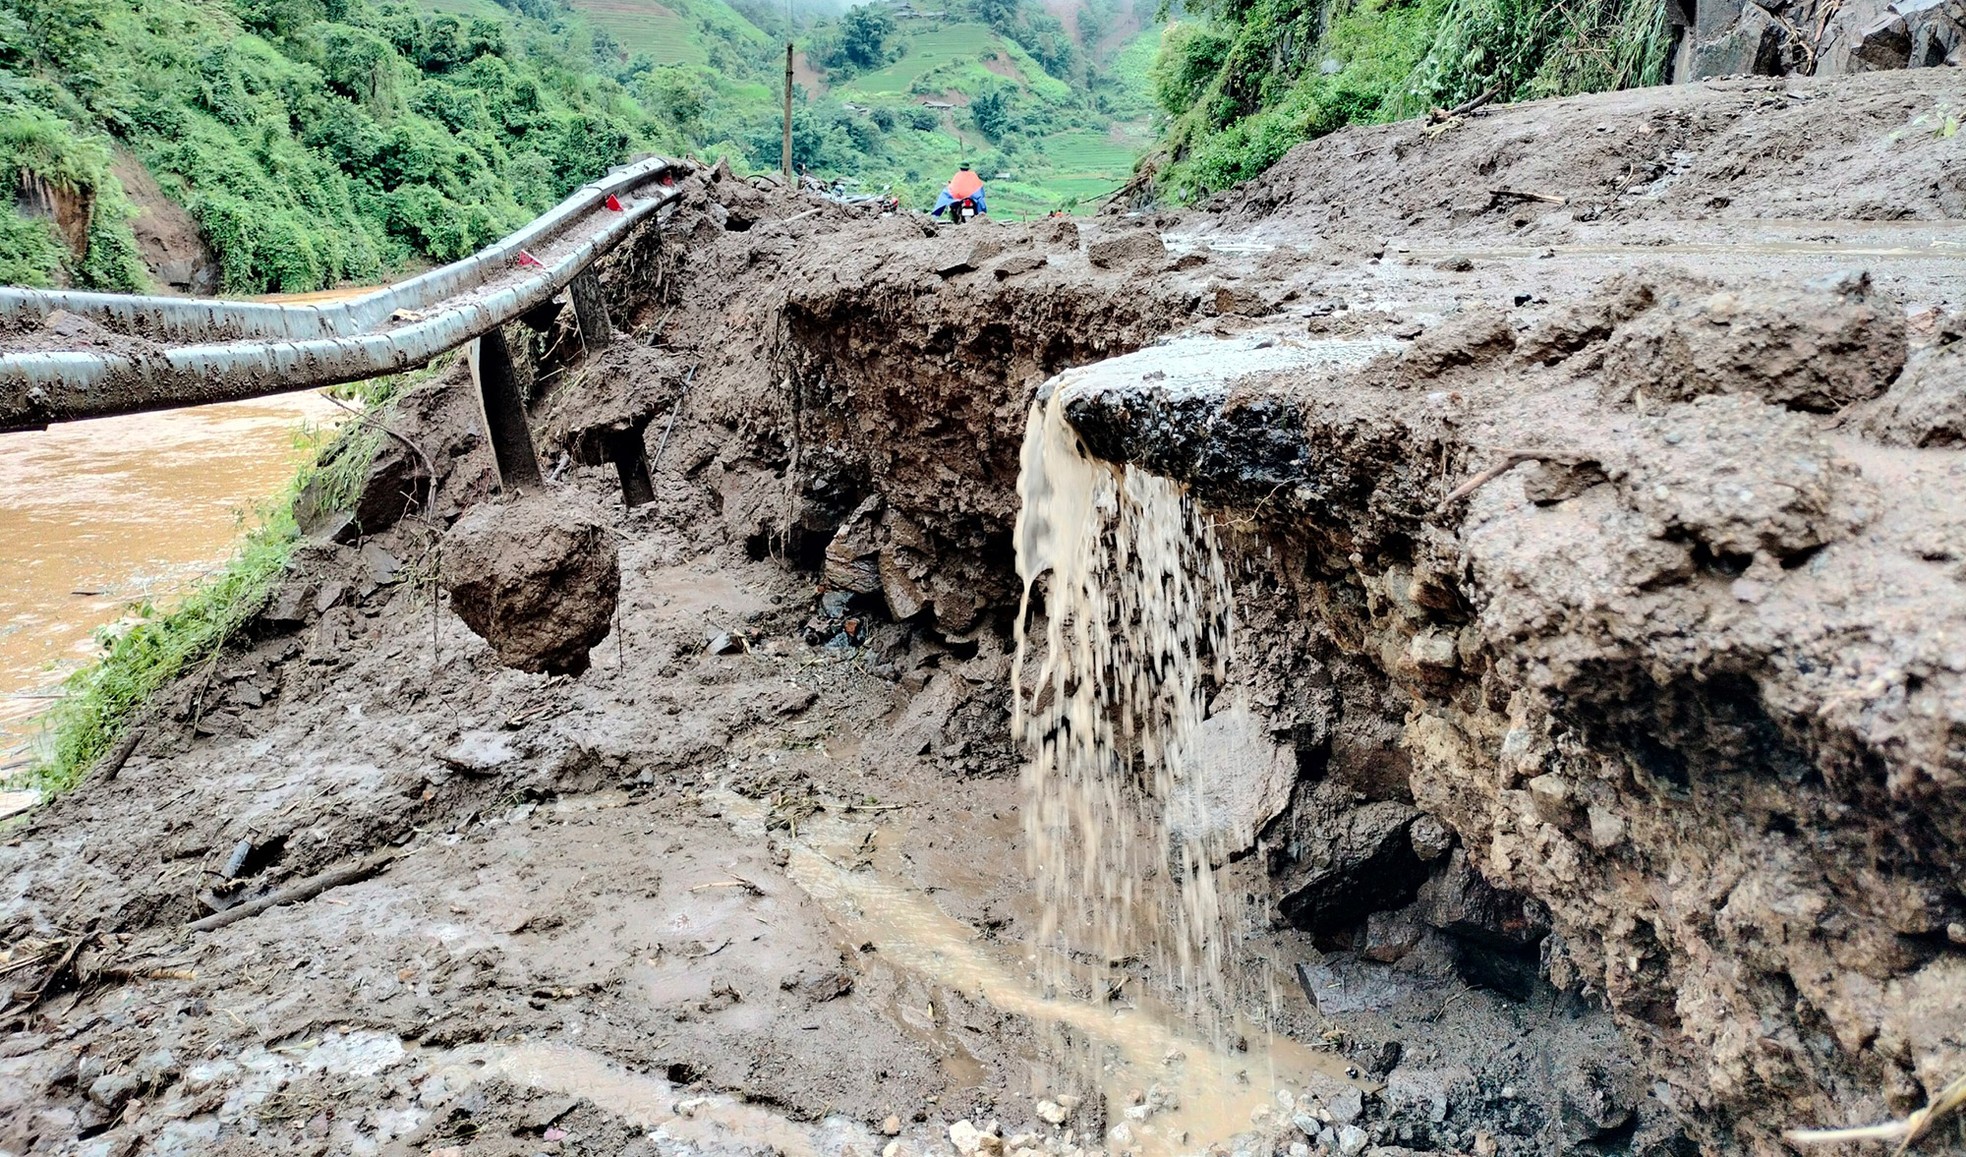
(963, 197)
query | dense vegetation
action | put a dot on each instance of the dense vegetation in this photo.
(1244, 80)
(889, 97)
(313, 141)
(318, 142)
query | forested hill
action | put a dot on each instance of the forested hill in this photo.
(290, 145)
(254, 146)
(311, 142)
(1244, 80)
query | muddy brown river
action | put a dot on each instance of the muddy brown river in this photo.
(97, 518)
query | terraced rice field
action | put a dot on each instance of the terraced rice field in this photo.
(929, 49)
(646, 26)
(1089, 163)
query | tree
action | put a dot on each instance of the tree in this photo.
(680, 95)
(863, 37)
(991, 113)
(998, 14)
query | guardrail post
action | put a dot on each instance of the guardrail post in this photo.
(590, 312)
(505, 412)
(630, 457)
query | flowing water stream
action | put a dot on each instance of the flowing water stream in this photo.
(97, 516)
(1137, 616)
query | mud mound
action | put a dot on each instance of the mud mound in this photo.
(1719, 150)
(1820, 348)
(1670, 669)
(536, 577)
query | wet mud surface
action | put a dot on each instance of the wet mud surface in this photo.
(1623, 820)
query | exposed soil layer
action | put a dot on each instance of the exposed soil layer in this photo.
(1626, 815)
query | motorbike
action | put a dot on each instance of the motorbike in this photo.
(963, 210)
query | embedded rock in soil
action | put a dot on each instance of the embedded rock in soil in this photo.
(536, 577)
(1926, 406)
(1818, 348)
(1127, 248)
(395, 484)
(1364, 862)
(1244, 780)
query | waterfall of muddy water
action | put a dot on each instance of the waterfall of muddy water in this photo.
(1137, 621)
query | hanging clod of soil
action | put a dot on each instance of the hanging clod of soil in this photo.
(536, 577)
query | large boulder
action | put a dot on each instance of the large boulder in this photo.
(536, 577)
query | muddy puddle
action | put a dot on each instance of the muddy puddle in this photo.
(1204, 1091)
(715, 1123)
(98, 516)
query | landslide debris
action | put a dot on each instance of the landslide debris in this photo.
(536, 576)
(1679, 671)
(1819, 348)
(1621, 813)
(1722, 150)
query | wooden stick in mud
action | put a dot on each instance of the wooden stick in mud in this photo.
(1464, 108)
(294, 893)
(1485, 477)
(1526, 195)
(113, 763)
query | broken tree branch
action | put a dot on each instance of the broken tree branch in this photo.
(1464, 108)
(112, 764)
(1509, 462)
(294, 893)
(1526, 195)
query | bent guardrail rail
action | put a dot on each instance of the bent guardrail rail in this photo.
(317, 345)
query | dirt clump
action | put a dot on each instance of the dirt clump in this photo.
(1128, 247)
(536, 577)
(1818, 348)
(1926, 407)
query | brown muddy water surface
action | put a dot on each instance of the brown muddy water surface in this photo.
(97, 516)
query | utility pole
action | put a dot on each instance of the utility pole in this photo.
(788, 112)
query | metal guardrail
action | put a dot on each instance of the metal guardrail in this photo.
(314, 345)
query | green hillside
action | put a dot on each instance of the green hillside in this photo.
(892, 97)
(312, 141)
(1245, 80)
(324, 142)
(676, 32)
(1050, 121)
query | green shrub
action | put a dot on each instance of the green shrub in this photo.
(1190, 57)
(30, 253)
(1263, 75)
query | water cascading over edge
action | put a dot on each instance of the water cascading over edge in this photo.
(1137, 620)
